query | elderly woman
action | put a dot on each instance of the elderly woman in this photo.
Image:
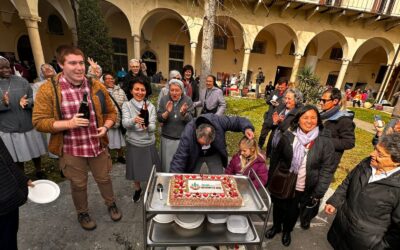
(115, 136)
(293, 99)
(46, 71)
(173, 74)
(213, 100)
(16, 129)
(368, 201)
(141, 152)
(306, 152)
(174, 114)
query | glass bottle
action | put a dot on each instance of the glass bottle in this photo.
(144, 113)
(84, 107)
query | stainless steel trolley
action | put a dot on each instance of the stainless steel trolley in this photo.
(162, 235)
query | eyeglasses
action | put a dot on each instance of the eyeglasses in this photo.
(324, 100)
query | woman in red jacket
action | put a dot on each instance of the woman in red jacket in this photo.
(248, 158)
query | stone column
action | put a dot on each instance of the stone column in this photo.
(385, 82)
(193, 46)
(74, 36)
(295, 68)
(31, 23)
(342, 73)
(136, 46)
(246, 60)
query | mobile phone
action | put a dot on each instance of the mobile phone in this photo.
(377, 117)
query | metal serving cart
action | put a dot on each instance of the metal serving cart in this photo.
(170, 234)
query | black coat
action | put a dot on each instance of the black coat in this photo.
(319, 166)
(272, 108)
(342, 132)
(188, 152)
(13, 183)
(368, 214)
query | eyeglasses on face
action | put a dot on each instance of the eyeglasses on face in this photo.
(324, 100)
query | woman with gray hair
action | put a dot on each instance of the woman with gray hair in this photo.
(367, 203)
(173, 74)
(174, 113)
(293, 99)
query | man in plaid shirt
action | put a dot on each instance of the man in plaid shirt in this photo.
(81, 143)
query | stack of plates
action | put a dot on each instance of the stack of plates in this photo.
(237, 224)
(217, 218)
(206, 248)
(164, 218)
(189, 221)
(179, 248)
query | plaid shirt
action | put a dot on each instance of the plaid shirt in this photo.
(78, 141)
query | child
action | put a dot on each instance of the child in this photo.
(249, 157)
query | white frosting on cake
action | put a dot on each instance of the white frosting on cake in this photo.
(203, 186)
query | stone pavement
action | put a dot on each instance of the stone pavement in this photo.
(369, 127)
(54, 226)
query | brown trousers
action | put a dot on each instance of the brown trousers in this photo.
(76, 170)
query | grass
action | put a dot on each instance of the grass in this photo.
(254, 110)
(367, 115)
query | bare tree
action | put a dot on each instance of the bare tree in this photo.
(210, 10)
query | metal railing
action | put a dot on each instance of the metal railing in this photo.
(385, 7)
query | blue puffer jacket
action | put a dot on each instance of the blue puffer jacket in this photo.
(184, 160)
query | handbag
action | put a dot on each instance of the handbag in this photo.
(308, 211)
(283, 183)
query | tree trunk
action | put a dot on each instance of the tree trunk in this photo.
(210, 8)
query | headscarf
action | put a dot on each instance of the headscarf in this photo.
(179, 83)
(41, 75)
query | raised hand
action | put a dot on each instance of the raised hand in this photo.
(184, 108)
(6, 99)
(23, 101)
(169, 106)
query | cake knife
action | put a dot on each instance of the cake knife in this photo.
(160, 188)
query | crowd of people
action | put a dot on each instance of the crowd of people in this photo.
(304, 148)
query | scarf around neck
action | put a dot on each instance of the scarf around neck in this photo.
(327, 114)
(300, 145)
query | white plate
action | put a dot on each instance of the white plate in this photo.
(217, 218)
(206, 248)
(179, 248)
(237, 224)
(189, 221)
(164, 218)
(44, 191)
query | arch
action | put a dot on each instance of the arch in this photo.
(326, 39)
(225, 23)
(154, 17)
(374, 43)
(54, 25)
(283, 35)
(150, 57)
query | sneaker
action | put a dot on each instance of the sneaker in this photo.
(40, 175)
(114, 212)
(136, 195)
(121, 159)
(86, 222)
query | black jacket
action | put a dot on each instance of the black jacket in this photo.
(342, 132)
(184, 160)
(13, 183)
(272, 108)
(319, 166)
(368, 214)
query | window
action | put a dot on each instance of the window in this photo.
(259, 47)
(220, 42)
(336, 54)
(120, 56)
(176, 57)
(55, 25)
(381, 74)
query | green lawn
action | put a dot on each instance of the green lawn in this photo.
(254, 111)
(368, 114)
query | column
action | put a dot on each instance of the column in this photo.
(31, 23)
(295, 68)
(246, 60)
(136, 46)
(385, 82)
(74, 36)
(342, 73)
(193, 46)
